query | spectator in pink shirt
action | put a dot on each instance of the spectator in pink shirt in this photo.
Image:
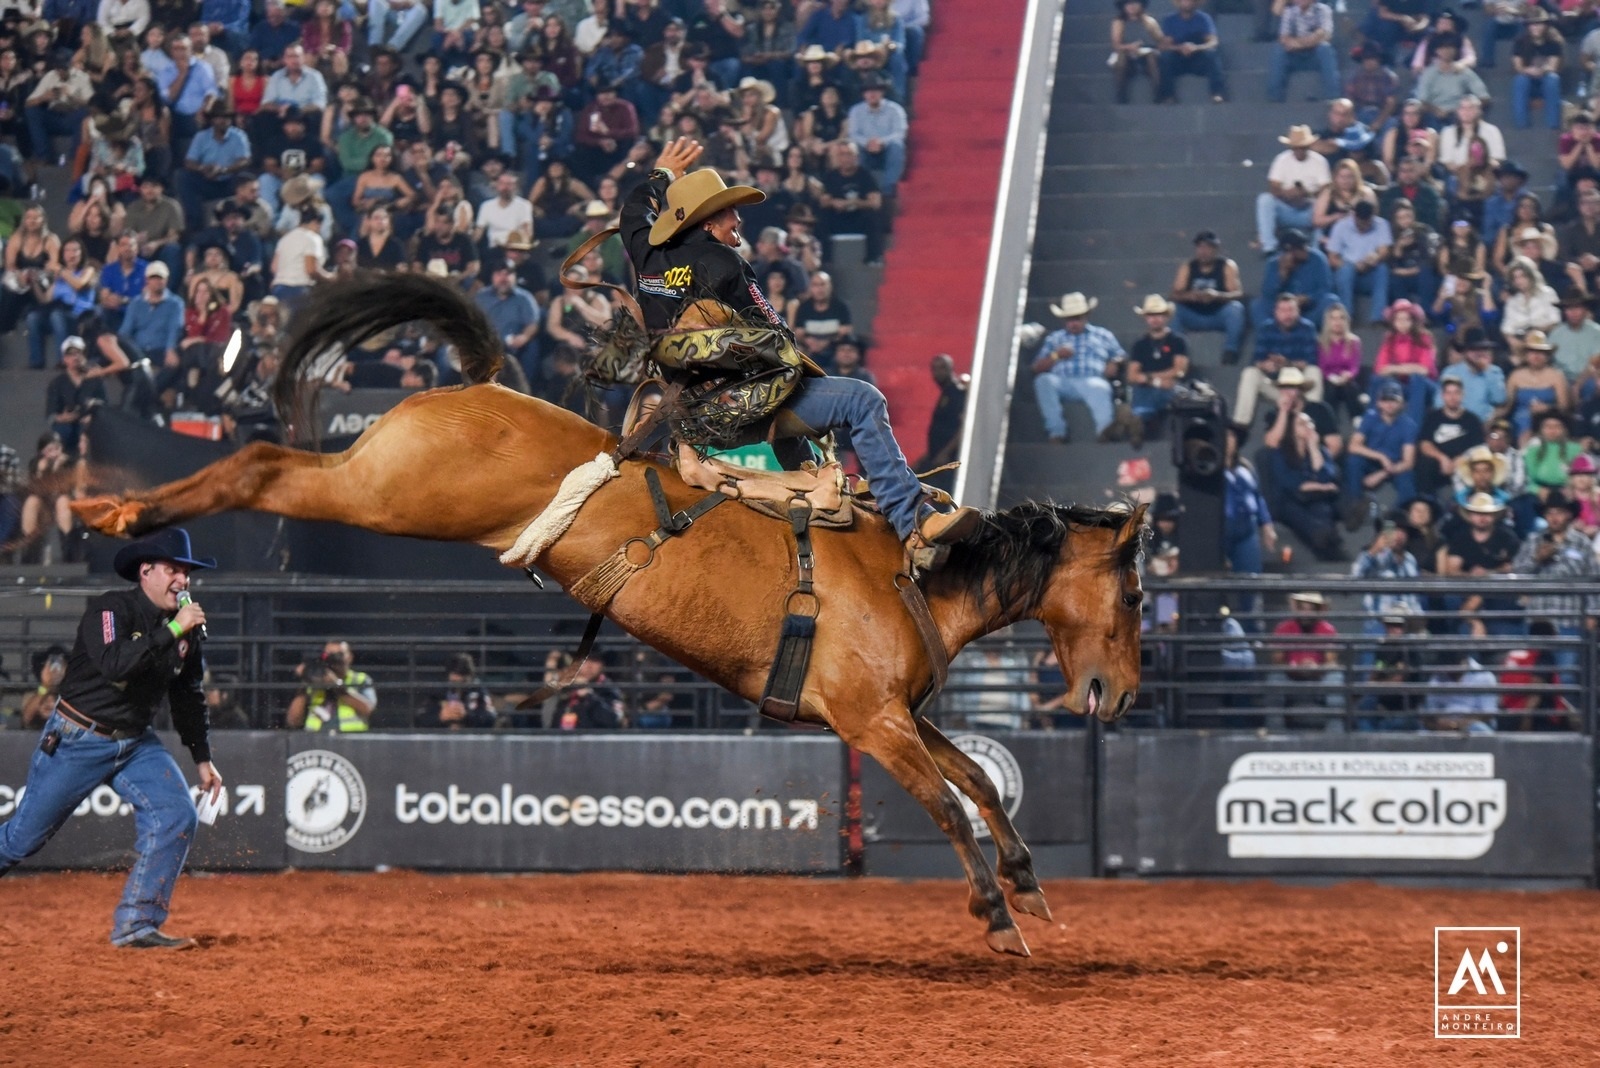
(1407, 356)
(1344, 379)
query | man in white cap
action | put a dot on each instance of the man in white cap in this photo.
(154, 322)
(681, 229)
(1071, 365)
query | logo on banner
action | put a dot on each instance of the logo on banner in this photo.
(1003, 770)
(325, 801)
(1422, 806)
(1477, 982)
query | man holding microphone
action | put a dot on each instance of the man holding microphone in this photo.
(134, 648)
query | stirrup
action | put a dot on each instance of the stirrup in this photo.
(922, 556)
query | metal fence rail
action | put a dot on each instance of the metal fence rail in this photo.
(1196, 673)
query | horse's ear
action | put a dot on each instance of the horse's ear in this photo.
(1137, 521)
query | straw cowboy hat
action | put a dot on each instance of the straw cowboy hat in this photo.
(1073, 305)
(1547, 240)
(1291, 377)
(760, 85)
(815, 53)
(695, 197)
(1483, 504)
(521, 242)
(1309, 597)
(1482, 454)
(596, 209)
(1538, 341)
(1299, 137)
(1154, 304)
(300, 190)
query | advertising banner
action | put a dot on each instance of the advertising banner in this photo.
(1193, 802)
(248, 833)
(1045, 784)
(566, 803)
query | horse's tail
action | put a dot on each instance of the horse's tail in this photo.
(346, 314)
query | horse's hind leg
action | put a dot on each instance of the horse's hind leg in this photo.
(258, 476)
(903, 755)
(1016, 863)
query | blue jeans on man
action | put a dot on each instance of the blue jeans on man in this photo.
(1284, 62)
(1357, 468)
(1229, 318)
(1522, 90)
(1205, 64)
(1051, 390)
(1420, 288)
(1494, 31)
(407, 23)
(1374, 283)
(144, 774)
(1273, 215)
(887, 165)
(849, 403)
(46, 122)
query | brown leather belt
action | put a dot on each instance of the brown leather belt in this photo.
(73, 715)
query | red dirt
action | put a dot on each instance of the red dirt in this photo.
(408, 969)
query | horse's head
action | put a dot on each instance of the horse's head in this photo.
(1091, 610)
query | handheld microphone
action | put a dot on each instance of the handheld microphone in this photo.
(183, 599)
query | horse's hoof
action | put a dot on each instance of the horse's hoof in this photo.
(1030, 901)
(108, 515)
(1007, 940)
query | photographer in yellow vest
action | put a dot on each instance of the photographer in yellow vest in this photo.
(336, 697)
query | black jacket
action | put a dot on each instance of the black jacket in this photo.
(692, 266)
(126, 662)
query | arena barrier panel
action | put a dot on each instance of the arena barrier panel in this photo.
(248, 835)
(1179, 802)
(631, 802)
(1046, 783)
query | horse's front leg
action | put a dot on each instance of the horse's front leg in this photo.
(892, 741)
(1016, 863)
(255, 477)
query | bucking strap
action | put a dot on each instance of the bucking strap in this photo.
(576, 256)
(932, 641)
(780, 698)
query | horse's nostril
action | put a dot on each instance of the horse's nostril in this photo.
(1124, 705)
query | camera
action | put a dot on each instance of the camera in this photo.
(318, 669)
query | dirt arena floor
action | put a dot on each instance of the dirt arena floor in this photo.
(409, 969)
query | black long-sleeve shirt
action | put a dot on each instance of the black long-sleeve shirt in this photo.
(125, 662)
(690, 267)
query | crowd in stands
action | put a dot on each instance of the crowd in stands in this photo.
(220, 161)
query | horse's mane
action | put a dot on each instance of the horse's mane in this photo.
(1016, 550)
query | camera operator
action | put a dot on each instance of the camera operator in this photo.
(465, 704)
(335, 697)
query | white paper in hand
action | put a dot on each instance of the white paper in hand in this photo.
(209, 807)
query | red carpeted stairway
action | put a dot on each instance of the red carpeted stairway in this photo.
(933, 277)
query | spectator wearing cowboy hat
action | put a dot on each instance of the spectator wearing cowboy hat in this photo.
(877, 127)
(1584, 493)
(1383, 450)
(1548, 454)
(1295, 270)
(1303, 665)
(1536, 387)
(1288, 342)
(136, 651)
(1072, 364)
(215, 156)
(1560, 553)
(1157, 363)
(1209, 295)
(1482, 382)
(1500, 209)
(1478, 542)
(1577, 338)
(1295, 178)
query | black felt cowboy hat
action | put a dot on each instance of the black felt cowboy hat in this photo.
(171, 545)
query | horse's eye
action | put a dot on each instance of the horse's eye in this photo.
(1133, 600)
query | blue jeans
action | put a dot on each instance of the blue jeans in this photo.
(850, 404)
(144, 774)
(1148, 402)
(1356, 468)
(40, 320)
(1242, 542)
(1273, 214)
(887, 165)
(44, 123)
(1228, 318)
(1522, 88)
(1283, 62)
(1051, 389)
(1205, 64)
(407, 23)
(292, 297)
(1421, 287)
(1493, 32)
(1347, 282)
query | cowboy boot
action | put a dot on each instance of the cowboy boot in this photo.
(949, 528)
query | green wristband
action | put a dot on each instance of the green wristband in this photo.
(175, 628)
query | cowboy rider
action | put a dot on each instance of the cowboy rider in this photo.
(681, 231)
